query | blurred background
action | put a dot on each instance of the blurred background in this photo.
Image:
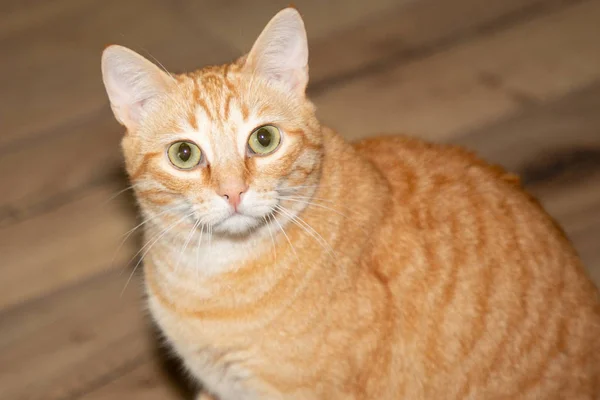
(516, 80)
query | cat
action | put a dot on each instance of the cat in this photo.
(283, 262)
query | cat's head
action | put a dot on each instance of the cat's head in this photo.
(224, 145)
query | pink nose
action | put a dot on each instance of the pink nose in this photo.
(232, 192)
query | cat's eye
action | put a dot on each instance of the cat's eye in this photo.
(264, 140)
(184, 155)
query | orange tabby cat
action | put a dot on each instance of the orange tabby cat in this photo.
(285, 263)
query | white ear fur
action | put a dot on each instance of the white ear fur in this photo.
(130, 81)
(280, 54)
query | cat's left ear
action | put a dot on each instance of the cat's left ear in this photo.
(280, 54)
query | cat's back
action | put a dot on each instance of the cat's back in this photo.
(483, 278)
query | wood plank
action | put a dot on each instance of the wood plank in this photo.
(586, 241)
(64, 245)
(474, 83)
(146, 382)
(239, 22)
(411, 30)
(54, 64)
(575, 203)
(61, 346)
(36, 171)
(540, 132)
(18, 15)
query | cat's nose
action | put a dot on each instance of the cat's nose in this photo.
(232, 192)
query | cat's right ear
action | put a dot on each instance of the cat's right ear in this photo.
(131, 81)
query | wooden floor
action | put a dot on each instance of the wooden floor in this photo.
(516, 80)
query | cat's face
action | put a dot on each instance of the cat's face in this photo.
(227, 149)
(224, 147)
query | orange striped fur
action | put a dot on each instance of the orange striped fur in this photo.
(385, 269)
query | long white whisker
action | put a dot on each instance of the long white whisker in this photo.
(153, 237)
(187, 241)
(268, 223)
(287, 238)
(114, 196)
(164, 232)
(312, 203)
(303, 186)
(197, 267)
(160, 64)
(309, 229)
(315, 204)
(305, 198)
(132, 230)
(210, 232)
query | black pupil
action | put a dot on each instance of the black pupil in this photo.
(184, 152)
(264, 137)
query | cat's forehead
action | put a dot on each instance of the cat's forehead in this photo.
(215, 108)
(215, 96)
(221, 100)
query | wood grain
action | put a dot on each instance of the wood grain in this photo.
(322, 18)
(54, 63)
(541, 133)
(475, 83)
(410, 32)
(576, 206)
(64, 245)
(145, 382)
(84, 152)
(59, 346)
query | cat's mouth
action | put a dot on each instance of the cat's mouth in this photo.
(237, 223)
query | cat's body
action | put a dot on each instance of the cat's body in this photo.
(447, 282)
(388, 269)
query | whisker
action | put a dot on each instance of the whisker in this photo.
(268, 222)
(309, 229)
(150, 243)
(120, 192)
(140, 250)
(192, 231)
(315, 204)
(210, 232)
(287, 238)
(131, 231)
(197, 267)
(159, 63)
(304, 186)
(305, 197)
(312, 203)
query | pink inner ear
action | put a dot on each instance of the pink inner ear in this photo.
(136, 110)
(281, 51)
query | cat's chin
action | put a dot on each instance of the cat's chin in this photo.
(237, 225)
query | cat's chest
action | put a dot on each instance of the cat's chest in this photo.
(217, 360)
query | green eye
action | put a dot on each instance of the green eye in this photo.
(264, 140)
(184, 155)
